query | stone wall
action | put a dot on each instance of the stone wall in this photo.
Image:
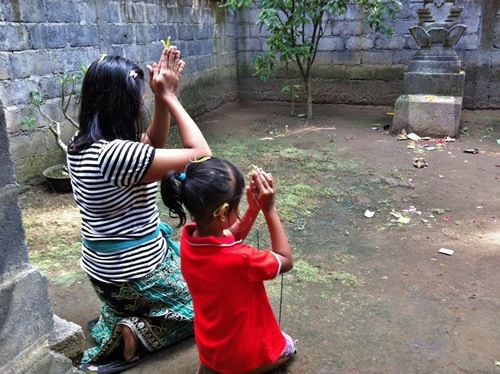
(40, 40)
(357, 66)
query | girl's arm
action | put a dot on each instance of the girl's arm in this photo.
(243, 226)
(164, 79)
(265, 194)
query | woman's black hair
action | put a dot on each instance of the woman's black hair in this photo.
(111, 102)
(204, 187)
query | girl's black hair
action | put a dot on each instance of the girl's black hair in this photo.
(206, 185)
(111, 102)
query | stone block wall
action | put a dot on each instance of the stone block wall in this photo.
(355, 65)
(41, 40)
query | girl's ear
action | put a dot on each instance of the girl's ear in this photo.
(221, 212)
(224, 212)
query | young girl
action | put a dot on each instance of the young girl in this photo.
(126, 251)
(235, 328)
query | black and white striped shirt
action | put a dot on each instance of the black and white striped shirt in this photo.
(115, 205)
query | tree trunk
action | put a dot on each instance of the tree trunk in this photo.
(307, 81)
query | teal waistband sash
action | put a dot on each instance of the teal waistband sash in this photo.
(115, 246)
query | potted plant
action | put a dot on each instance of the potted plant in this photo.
(57, 175)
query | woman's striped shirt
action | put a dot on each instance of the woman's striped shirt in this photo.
(115, 206)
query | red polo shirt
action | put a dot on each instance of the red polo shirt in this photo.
(235, 327)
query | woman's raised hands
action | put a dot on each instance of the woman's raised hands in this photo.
(165, 75)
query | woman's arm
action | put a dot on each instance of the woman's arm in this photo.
(157, 133)
(164, 79)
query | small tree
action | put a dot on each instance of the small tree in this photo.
(297, 26)
(70, 87)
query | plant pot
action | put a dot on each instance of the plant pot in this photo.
(58, 178)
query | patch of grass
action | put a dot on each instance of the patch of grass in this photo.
(55, 256)
(305, 272)
(346, 278)
(60, 262)
(296, 201)
(342, 258)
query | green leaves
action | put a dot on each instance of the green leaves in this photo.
(377, 12)
(166, 44)
(29, 122)
(36, 99)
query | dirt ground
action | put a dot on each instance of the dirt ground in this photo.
(367, 295)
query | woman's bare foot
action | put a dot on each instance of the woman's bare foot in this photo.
(129, 343)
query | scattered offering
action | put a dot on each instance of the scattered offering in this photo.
(473, 151)
(446, 251)
(369, 213)
(166, 44)
(253, 168)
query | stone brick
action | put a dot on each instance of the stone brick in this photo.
(69, 61)
(121, 34)
(346, 57)
(360, 43)
(250, 44)
(62, 11)
(16, 92)
(28, 63)
(468, 42)
(48, 36)
(204, 31)
(164, 31)
(376, 57)
(390, 42)
(23, 11)
(83, 35)
(349, 28)
(13, 38)
(132, 12)
(186, 32)
(4, 66)
(331, 44)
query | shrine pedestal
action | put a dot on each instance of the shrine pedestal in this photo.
(428, 115)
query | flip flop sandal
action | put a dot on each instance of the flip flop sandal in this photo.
(115, 366)
(91, 323)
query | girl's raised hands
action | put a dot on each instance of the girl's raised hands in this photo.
(262, 188)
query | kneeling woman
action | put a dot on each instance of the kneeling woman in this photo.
(126, 251)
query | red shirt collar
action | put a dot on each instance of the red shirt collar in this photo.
(217, 241)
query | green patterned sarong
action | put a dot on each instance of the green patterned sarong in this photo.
(158, 308)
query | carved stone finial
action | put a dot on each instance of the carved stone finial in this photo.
(437, 24)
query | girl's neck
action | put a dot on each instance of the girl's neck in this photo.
(202, 231)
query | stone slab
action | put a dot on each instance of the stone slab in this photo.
(427, 115)
(25, 313)
(439, 84)
(67, 338)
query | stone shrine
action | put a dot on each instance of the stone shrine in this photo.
(433, 84)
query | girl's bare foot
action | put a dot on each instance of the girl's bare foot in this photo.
(129, 343)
